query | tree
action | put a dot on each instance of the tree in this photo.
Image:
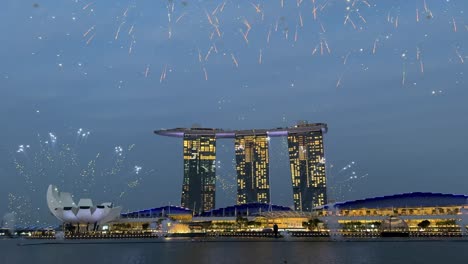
(449, 222)
(354, 226)
(241, 221)
(312, 224)
(377, 223)
(424, 224)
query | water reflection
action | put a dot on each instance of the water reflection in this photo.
(384, 252)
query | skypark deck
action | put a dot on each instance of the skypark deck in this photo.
(220, 133)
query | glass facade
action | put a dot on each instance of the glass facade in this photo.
(252, 162)
(198, 187)
(307, 163)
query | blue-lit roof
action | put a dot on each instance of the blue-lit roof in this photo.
(245, 209)
(415, 199)
(157, 212)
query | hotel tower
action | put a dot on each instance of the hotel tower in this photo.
(306, 160)
(252, 166)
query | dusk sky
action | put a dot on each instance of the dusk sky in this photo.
(83, 85)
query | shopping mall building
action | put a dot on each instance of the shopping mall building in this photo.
(422, 213)
(417, 213)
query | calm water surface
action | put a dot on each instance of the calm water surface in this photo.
(237, 252)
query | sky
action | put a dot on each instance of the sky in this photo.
(83, 85)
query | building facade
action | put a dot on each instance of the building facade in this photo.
(307, 164)
(421, 214)
(199, 184)
(252, 166)
(426, 214)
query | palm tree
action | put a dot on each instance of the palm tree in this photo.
(424, 224)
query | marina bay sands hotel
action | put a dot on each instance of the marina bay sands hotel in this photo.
(306, 158)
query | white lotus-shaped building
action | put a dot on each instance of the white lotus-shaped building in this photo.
(61, 205)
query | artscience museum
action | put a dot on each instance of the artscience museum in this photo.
(62, 206)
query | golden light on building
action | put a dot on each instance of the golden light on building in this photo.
(307, 164)
(252, 165)
(306, 154)
(199, 184)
